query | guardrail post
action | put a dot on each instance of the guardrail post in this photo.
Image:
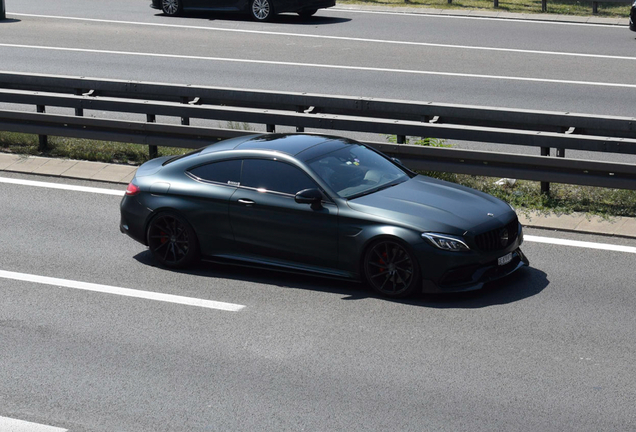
(595, 8)
(152, 149)
(495, 3)
(450, 1)
(185, 120)
(3, 14)
(79, 111)
(401, 139)
(545, 186)
(271, 128)
(300, 109)
(44, 141)
(544, 5)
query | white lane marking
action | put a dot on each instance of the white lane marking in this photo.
(61, 186)
(483, 18)
(582, 244)
(343, 38)
(127, 292)
(12, 425)
(326, 66)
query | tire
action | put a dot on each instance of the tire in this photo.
(261, 10)
(172, 241)
(391, 269)
(172, 7)
(307, 13)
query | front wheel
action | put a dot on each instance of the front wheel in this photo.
(172, 7)
(391, 269)
(172, 241)
(261, 10)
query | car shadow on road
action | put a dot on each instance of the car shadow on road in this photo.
(9, 20)
(526, 282)
(278, 19)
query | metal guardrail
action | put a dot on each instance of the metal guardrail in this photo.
(301, 110)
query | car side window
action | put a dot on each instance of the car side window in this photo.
(225, 172)
(275, 176)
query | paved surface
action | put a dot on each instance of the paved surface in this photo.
(123, 174)
(549, 349)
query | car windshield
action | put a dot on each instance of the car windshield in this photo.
(356, 170)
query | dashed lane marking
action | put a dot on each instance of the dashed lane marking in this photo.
(127, 292)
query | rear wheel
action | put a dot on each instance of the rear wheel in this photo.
(172, 241)
(261, 10)
(172, 7)
(391, 269)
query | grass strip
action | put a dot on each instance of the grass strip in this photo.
(578, 8)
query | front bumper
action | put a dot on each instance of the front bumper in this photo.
(156, 4)
(444, 272)
(473, 277)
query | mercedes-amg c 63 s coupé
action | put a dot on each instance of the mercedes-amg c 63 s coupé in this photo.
(323, 205)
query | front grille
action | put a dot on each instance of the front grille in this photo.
(499, 238)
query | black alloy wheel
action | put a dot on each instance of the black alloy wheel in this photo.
(172, 241)
(307, 13)
(390, 269)
(172, 7)
(261, 10)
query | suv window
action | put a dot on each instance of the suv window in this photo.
(275, 176)
(225, 172)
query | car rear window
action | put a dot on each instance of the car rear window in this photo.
(225, 172)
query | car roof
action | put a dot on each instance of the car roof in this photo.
(292, 144)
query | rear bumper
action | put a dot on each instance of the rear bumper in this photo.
(132, 219)
(301, 5)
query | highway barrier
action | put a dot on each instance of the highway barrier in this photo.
(540, 129)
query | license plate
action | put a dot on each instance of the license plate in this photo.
(505, 259)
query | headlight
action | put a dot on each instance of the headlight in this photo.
(446, 242)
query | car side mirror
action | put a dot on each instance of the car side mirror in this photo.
(310, 196)
(397, 161)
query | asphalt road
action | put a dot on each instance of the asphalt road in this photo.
(533, 65)
(507, 63)
(550, 348)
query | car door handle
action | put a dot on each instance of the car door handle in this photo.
(246, 202)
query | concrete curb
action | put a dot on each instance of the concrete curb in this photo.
(489, 14)
(123, 174)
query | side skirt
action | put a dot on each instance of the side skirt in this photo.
(252, 262)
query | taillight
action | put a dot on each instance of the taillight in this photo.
(132, 189)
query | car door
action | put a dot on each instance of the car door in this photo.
(209, 204)
(268, 223)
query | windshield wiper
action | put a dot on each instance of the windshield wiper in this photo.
(375, 189)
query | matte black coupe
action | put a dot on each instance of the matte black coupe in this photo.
(259, 10)
(324, 205)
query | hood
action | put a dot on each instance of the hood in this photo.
(436, 205)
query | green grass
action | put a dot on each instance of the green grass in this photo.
(91, 150)
(525, 196)
(581, 8)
